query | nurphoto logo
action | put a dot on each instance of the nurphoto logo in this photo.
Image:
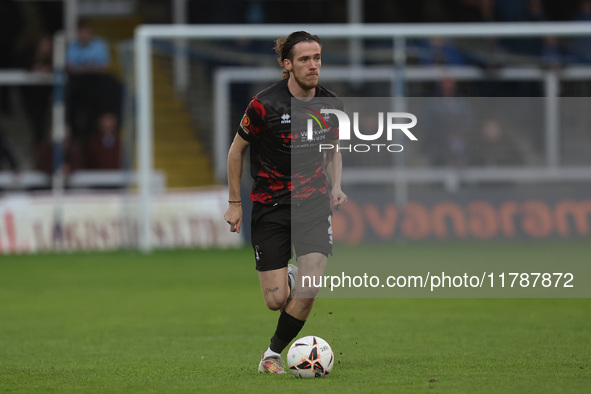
(345, 131)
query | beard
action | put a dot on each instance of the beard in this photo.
(306, 85)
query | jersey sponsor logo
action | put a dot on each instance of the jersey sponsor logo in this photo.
(317, 117)
(285, 119)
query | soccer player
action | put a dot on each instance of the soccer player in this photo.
(280, 192)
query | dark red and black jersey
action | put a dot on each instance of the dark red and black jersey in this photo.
(285, 164)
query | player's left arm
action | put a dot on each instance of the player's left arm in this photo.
(334, 171)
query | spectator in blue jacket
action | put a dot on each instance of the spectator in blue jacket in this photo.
(87, 54)
(91, 89)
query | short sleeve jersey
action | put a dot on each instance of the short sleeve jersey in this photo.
(285, 165)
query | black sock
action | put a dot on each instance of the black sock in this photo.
(287, 329)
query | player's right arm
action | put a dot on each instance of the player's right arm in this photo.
(236, 155)
(251, 126)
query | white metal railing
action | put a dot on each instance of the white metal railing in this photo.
(80, 179)
(397, 32)
(225, 76)
(24, 77)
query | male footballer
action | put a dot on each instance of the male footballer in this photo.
(292, 199)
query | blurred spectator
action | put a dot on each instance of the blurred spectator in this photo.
(6, 154)
(581, 46)
(487, 10)
(534, 46)
(552, 55)
(87, 54)
(40, 58)
(91, 90)
(46, 162)
(493, 147)
(472, 10)
(584, 11)
(11, 26)
(439, 51)
(103, 149)
(11, 23)
(448, 123)
(37, 98)
(510, 10)
(522, 11)
(535, 11)
(255, 12)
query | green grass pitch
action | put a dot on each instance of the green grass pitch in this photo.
(195, 321)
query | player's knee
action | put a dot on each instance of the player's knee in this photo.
(275, 303)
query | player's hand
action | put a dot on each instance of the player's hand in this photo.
(337, 198)
(233, 216)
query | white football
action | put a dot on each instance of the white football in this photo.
(310, 357)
